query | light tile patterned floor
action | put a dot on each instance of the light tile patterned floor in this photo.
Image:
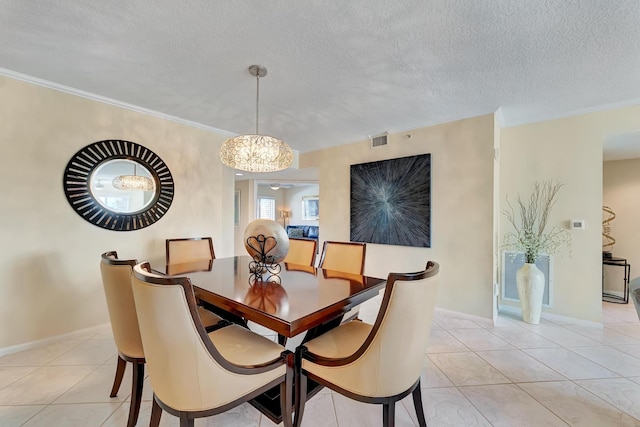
(475, 374)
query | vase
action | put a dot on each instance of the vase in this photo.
(530, 282)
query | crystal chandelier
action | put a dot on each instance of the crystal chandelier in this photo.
(133, 182)
(256, 153)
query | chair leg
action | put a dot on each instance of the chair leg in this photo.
(389, 414)
(120, 368)
(286, 393)
(156, 413)
(185, 420)
(301, 388)
(301, 398)
(136, 393)
(282, 340)
(417, 403)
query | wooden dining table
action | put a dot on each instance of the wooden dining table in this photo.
(297, 300)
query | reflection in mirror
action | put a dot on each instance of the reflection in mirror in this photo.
(122, 199)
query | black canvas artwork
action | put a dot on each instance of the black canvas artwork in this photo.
(391, 201)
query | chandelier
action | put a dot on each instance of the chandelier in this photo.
(256, 153)
(133, 182)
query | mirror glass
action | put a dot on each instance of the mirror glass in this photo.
(122, 200)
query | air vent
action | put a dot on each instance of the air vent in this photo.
(379, 141)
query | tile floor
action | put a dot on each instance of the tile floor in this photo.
(475, 374)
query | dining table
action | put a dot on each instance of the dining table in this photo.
(286, 298)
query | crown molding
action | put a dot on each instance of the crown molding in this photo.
(504, 122)
(102, 99)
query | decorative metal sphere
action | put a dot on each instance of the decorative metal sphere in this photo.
(268, 228)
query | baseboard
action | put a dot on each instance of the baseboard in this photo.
(460, 315)
(555, 318)
(33, 344)
(619, 294)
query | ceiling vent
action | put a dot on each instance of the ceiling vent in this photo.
(379, 140)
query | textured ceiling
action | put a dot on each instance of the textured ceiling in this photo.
(339, 71)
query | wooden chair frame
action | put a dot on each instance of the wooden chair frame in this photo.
(388, 402)
(111, 258)
(187, 418)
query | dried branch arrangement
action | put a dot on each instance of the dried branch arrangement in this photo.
(530, 235)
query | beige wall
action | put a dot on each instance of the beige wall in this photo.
(621, 188)
(461, 214)
(49, 275)
(570, 151)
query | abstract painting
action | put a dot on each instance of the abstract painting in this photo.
(391, 201)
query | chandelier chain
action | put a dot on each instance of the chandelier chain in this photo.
(257, 100)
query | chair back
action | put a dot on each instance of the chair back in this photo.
(116, 281)
(393, 353)
(347, 257)
(405, 325)
(301, 251)
(186, 371)
(186, 250)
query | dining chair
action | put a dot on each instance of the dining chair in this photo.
(302, 254)
(187, 250)
(347, 257)
(379, 363)
(116, 279)
(301, 251)
(196, 374)
(190, 254)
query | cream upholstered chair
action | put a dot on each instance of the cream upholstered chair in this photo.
(194, 254)
(186, 250)
(301, 251)
(195, 374)
(347, 257)
(379, 363)
(116, 279)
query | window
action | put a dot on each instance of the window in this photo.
(267, 208)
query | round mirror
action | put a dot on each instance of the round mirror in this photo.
(118, 185)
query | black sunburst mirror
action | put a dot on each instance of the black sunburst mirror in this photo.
(92, 183)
